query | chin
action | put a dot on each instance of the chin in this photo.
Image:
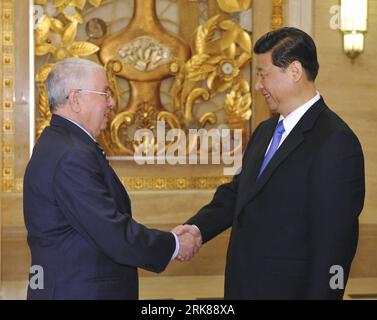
(273, 108)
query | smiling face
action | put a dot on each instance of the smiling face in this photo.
(276, 84)
(95, 108)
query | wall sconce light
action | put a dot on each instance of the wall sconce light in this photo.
(353, 24)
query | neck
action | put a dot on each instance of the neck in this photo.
(303, 95)
(62, 112)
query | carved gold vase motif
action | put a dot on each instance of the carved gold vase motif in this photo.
(141, 53)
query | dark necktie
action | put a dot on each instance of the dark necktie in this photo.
(274, 146)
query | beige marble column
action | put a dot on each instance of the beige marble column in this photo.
(261, 25)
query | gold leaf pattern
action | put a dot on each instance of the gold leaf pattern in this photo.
(43, 106)
(44, 111)
(72, 14)
(45, 48)
(56, 25)
(237, 103)
(44, 72)
(69, 34)
(244, 41)
(199, 42)
(197, 72)
(196, 69)
(210, 27)
(205, 34)
(82, 48)
(42, 30)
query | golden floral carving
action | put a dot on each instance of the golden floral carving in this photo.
(145, 54)
(56, 39)
(220, 50)
(216, 62)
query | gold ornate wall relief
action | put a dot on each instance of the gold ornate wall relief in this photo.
(213, 69)
(145, 50)
(220, 50)
(160, 183)
(55, 38)
(277, 18)
(7, 96)
(147, 41)
(209, 88)
(173, 183)
(234, 5)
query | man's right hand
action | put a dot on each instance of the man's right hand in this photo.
(190, 241)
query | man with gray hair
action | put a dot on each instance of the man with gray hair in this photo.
(77, 213)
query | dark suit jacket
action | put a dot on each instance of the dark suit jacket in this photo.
(78, 217)
(299, 218)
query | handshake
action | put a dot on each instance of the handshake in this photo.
(190, 241)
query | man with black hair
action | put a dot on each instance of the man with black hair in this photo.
(294, 207)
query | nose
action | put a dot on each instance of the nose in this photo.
(258, 85)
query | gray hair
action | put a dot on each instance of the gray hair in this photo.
(67, 75)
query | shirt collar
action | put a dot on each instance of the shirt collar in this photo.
(83, 129)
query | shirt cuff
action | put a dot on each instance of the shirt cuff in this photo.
(176, 251)
(195, 226)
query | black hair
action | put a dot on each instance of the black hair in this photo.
(288, 45)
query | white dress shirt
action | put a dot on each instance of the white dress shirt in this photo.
(294, 117)
(83, 129)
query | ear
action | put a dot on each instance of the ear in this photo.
(73, 101)
(296, 70)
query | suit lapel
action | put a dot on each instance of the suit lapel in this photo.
(253, 161)
(289, 145)
(259, 148)
(294, 139)
(121, 196)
